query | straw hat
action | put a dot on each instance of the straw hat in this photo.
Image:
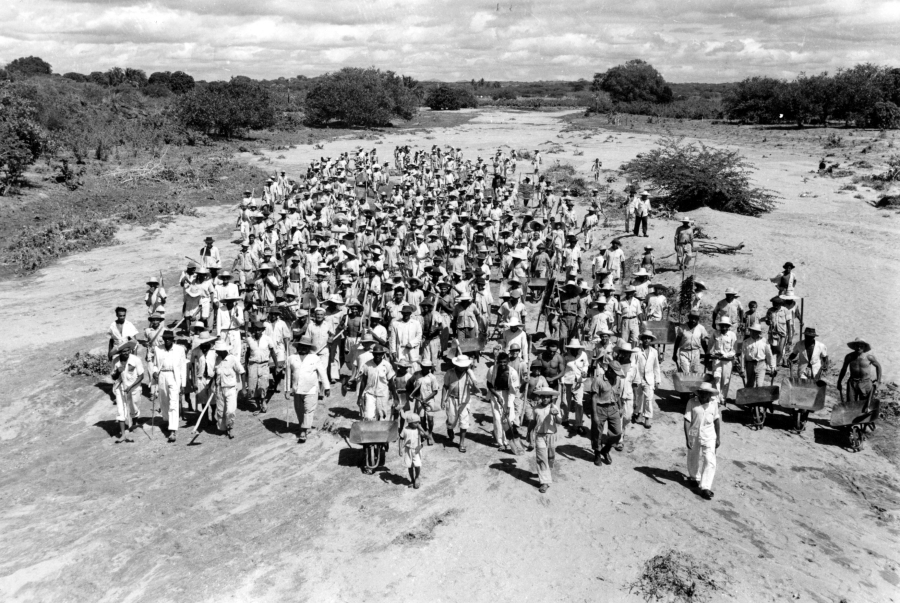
(575, 344)
(462, 361)
(858, 342)
(707, 388)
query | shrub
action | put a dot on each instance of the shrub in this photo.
(694, 175)
(36, 247)
(505, 94)
(360, 97)
(227, 107)
(86, 364)
(450, 98)
(885, 115)
(563, 175)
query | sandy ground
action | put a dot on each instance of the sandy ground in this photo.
(261, 518)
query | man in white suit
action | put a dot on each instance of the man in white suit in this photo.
(648, 376)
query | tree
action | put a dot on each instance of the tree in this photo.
(76, 77)
(227, 107)
(22, 140)
(180, 82)
(359, 97)
(505, 94)
(636, 80)
(99, 78)
(135, 77)
(160, 78)
(29, 66)
(694, 175)
(754, 99)
(444, 97)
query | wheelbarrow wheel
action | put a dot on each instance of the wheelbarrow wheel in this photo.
(800, 419)
(374, 454)
(758, 413)
(857, 436)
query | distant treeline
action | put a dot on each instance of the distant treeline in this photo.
(864, 95)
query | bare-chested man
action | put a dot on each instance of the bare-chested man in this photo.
(859, 362)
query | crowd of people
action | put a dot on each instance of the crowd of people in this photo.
(377, 278)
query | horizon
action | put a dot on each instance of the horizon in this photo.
(712, 42)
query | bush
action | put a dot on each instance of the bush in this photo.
(86, 364)
(563, 175)
(227, 108)
(885, 116)
(450, 98)
(38, 246)
(361, 97)
(505, 94)
(694, 175)
(157, 91)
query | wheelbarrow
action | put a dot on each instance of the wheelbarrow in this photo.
(471, 346)
(688, 383)
(664, 330)
(375, 438)
(536, 288)
(759, 400)
(801, 397)
(858, 417)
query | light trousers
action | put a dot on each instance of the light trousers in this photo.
(701, 462)
(544, 455)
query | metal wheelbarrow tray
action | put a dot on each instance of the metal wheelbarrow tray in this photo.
(749, 396)
(374, 432)
(472, 345)
(687, 383)
(664, 330)
(802, 394)
(845, 413)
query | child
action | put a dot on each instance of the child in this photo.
(546, 418)
(534, 383)
(750, 317)
(423, 389)
(648, 261)
(702, 437)
(401, 380)
(411, 447)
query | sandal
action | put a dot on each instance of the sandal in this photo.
(462, 448)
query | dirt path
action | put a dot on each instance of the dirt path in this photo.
(260, 518)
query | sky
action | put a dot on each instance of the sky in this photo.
(451, 40)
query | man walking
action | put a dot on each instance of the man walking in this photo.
(702, 437)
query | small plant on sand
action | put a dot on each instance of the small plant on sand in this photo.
(86, 364)
(675, 576)
(694, 175)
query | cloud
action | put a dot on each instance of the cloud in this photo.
(688, 40)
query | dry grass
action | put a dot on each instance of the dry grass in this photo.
(675, 576)
(86, 364)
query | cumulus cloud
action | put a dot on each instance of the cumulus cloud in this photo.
(688, 40)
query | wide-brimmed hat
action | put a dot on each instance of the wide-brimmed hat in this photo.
(707, 388)
(731, 291)
(858, 342)
(411, 417)
(810, 331)
(648, 335)
(724, 321)
(789, 265)
(336, 299)
(625, 347)
(203, 337)
(546, 393)
(426, 363)
(616, 368)
(462, 361)
(755, 327)
(221, 346)
(514, 321)
(575, 344)
(153, 280)
(641, 272)
(129, 346)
